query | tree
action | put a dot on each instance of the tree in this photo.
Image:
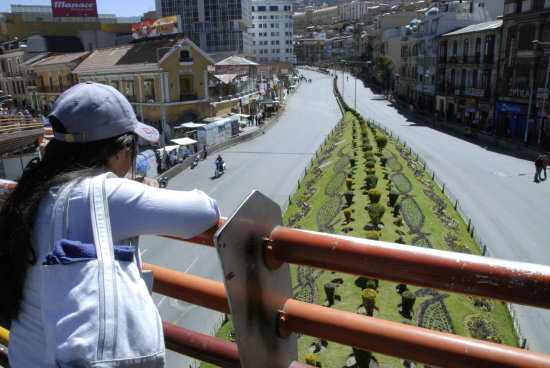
(384, 70)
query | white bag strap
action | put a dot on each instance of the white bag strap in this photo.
(101, 225)
(60, 213)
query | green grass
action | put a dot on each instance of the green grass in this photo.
(460, 306)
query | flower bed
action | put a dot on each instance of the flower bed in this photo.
(412, 214)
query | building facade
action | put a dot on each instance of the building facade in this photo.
(523, 71)
(272, 31)
(164, 78)
(467, 74)
(218, 27)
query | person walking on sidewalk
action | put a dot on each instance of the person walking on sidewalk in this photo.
(205, 149)
(544, 164)
(538, 169)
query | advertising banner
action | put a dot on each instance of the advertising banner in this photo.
(161, 26)
(74, 8)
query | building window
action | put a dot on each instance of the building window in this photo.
(114, 84)
(273, 8)
(262, 8)
(526, 35)
(60, 80)
(149, 90)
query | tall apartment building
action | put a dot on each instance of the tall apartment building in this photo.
(272, 30)
(218, 27)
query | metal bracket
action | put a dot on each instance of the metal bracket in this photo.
(256, 293)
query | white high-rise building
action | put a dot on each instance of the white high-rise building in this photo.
(272, 31)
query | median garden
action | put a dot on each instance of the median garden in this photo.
(367, 185)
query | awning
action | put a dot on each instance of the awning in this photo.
(184, 141)
(190, 125)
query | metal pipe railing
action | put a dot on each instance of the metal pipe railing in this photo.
(367, 333)
(510, 281)
(192, 289)
(203, 347)
(409, 342)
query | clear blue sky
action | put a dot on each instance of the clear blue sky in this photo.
(121, 8)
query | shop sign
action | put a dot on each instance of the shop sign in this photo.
(507, 107)
(475, 92)
(518, 92)
(74, 8)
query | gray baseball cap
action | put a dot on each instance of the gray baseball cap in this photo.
(93, 111)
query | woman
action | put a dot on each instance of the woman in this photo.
(95, 131)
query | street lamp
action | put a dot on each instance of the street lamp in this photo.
(547, 51)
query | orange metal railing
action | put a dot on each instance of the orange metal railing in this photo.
(516, 282)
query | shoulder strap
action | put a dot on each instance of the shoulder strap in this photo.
(60, 213)
(101, 226)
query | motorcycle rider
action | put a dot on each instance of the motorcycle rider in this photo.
(220, 163)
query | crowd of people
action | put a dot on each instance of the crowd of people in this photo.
(167, 159)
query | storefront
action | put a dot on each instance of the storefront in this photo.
(511, 118)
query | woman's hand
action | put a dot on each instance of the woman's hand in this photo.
(147, 181)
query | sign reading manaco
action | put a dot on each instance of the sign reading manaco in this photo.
(74, 8)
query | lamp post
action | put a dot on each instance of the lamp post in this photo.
(546, 52)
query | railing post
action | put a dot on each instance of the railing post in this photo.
(255, 292)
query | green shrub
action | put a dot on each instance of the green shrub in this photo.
(369, 300)
(362, 358)
(363, 134)
(329, 291)
(372, 284)
(370, 164)
(370, 170)
(352, 161)
(407, 302)
(348, 196)
(349, 182)
(371, 180)
(373, 235)
(396, 209)
(394, 194)
(310, 359)
(374, 195)
(381, 141)
(376, 211)
(347, 213)
(369, 153)
(401, 288)
(383, 160)
(398, 221)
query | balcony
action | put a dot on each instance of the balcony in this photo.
(453, 60)
(442, 59)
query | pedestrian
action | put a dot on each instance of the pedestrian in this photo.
(538, 168)
(205, 149)
(95, 137)
(544, 164)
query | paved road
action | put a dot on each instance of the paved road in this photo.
(272, 163)
(495, 189)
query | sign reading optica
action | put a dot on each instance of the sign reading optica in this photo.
(74, 8)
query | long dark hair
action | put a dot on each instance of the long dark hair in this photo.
(62, 162)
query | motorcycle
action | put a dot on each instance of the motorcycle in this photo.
(220, 168)
(163, 181)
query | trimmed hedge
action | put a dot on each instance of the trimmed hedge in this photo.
(369, 300)
(376, 211)
(374, 195)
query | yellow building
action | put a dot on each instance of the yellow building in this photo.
(49, 76)
(165, 78)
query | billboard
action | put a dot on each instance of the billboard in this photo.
(74, 8)
(161, 26)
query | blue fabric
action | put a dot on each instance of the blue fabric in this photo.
(72, 251)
